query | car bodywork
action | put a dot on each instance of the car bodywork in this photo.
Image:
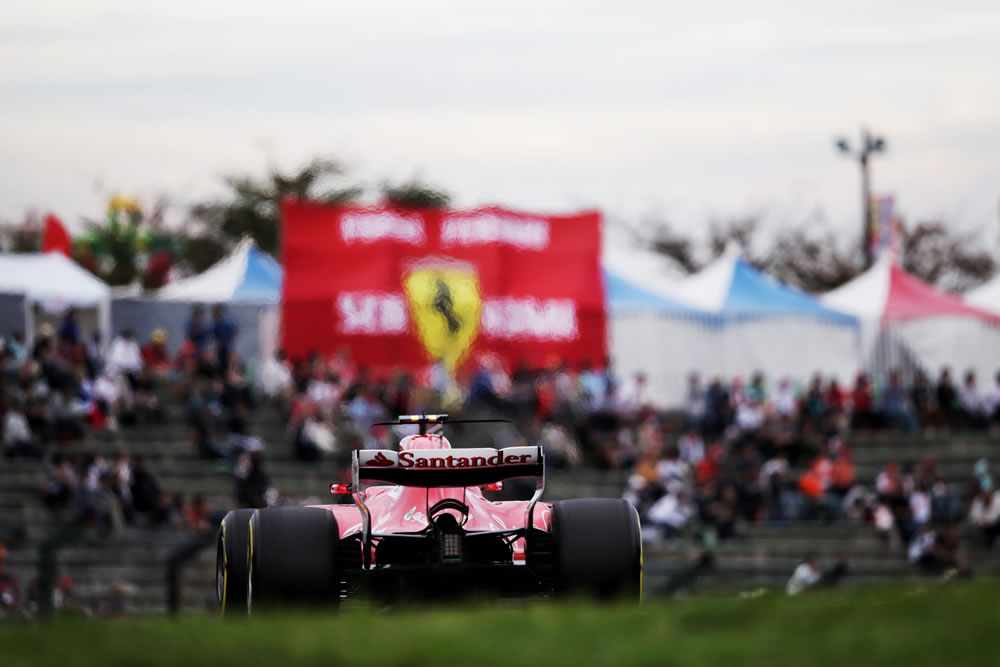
(430, 527)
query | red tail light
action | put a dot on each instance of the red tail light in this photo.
(340, 489)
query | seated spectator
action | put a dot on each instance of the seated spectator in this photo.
(992, 400)
(93, 356)
(718, 411)
(145, 401)
(324, 389)
(785, 402)
(251, 481)
(935, 552)
(121, 486)
(16, 345)
(156, 355)
(889, 485)
(864, 416)
(364, 411)
(920, 505)
(197, 330)
(984, 515)
(719, 511)
(750, 417)
(10, 586)
(696, 400)
(69, 329)
(896, 407)
(275, 377)
(836, 400)
(773, 480)
(947, 399)
(224, 332)
(922, 398)
(809, 576)
(177, 515)
(671, 513)
(842, 474)
(559, 446)
(203, 411)
(67, 414)
(973, 407)
(124, 356)
(17, 437)
(691, 447)
(200, 516)
(311, 434)
(61, 482)
(144, 489)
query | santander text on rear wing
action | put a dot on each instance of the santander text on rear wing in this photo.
(446, 467)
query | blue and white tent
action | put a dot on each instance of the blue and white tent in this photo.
(247, 282)
(246, 275)
(727, 320)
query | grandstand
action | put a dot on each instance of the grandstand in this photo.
(761, 555)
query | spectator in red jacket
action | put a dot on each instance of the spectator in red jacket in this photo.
(155, 354)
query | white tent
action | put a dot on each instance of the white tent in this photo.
(909, 324)
(53, 282)
(986, 296)
(246, 275)
(727, 320)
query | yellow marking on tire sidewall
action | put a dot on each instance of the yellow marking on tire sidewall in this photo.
(250, 564)
(638, 525)
(225, 567)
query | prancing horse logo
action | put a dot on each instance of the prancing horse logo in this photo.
(446, 307)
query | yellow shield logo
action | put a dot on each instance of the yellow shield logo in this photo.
(445, 307)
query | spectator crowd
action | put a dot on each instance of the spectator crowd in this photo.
(738, 452)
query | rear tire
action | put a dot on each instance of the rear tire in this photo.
(598, 548)
(292, 557)
(231, 561)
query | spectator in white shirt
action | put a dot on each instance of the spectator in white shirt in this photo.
(696, 404)
(672, 470)
(973, 405)
(691, 447)
(993, 400)
(17, 438)
(634, 397)
(920, 505)
(322, 390)
(124, 356)
(671, 513)
(806, 575)
(784, 398)
(985, 515)
(750, 414)
(275, 377)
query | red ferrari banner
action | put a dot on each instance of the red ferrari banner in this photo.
(404, 288)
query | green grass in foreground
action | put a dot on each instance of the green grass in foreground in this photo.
(947, 626)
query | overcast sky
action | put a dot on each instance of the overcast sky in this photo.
(690, 111)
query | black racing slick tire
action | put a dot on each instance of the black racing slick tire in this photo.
(598, 549)
(231, 561)
(293, 558)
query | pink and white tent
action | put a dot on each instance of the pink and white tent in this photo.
(985, 296)
(906, 322)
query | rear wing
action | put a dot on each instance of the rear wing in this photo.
(446, 467)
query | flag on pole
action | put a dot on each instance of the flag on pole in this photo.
(885, 231)
(55, 238)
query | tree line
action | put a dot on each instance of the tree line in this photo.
(132, 244)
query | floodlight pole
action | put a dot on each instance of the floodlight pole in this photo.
(869, 144)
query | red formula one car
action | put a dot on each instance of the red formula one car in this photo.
(421, 527)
